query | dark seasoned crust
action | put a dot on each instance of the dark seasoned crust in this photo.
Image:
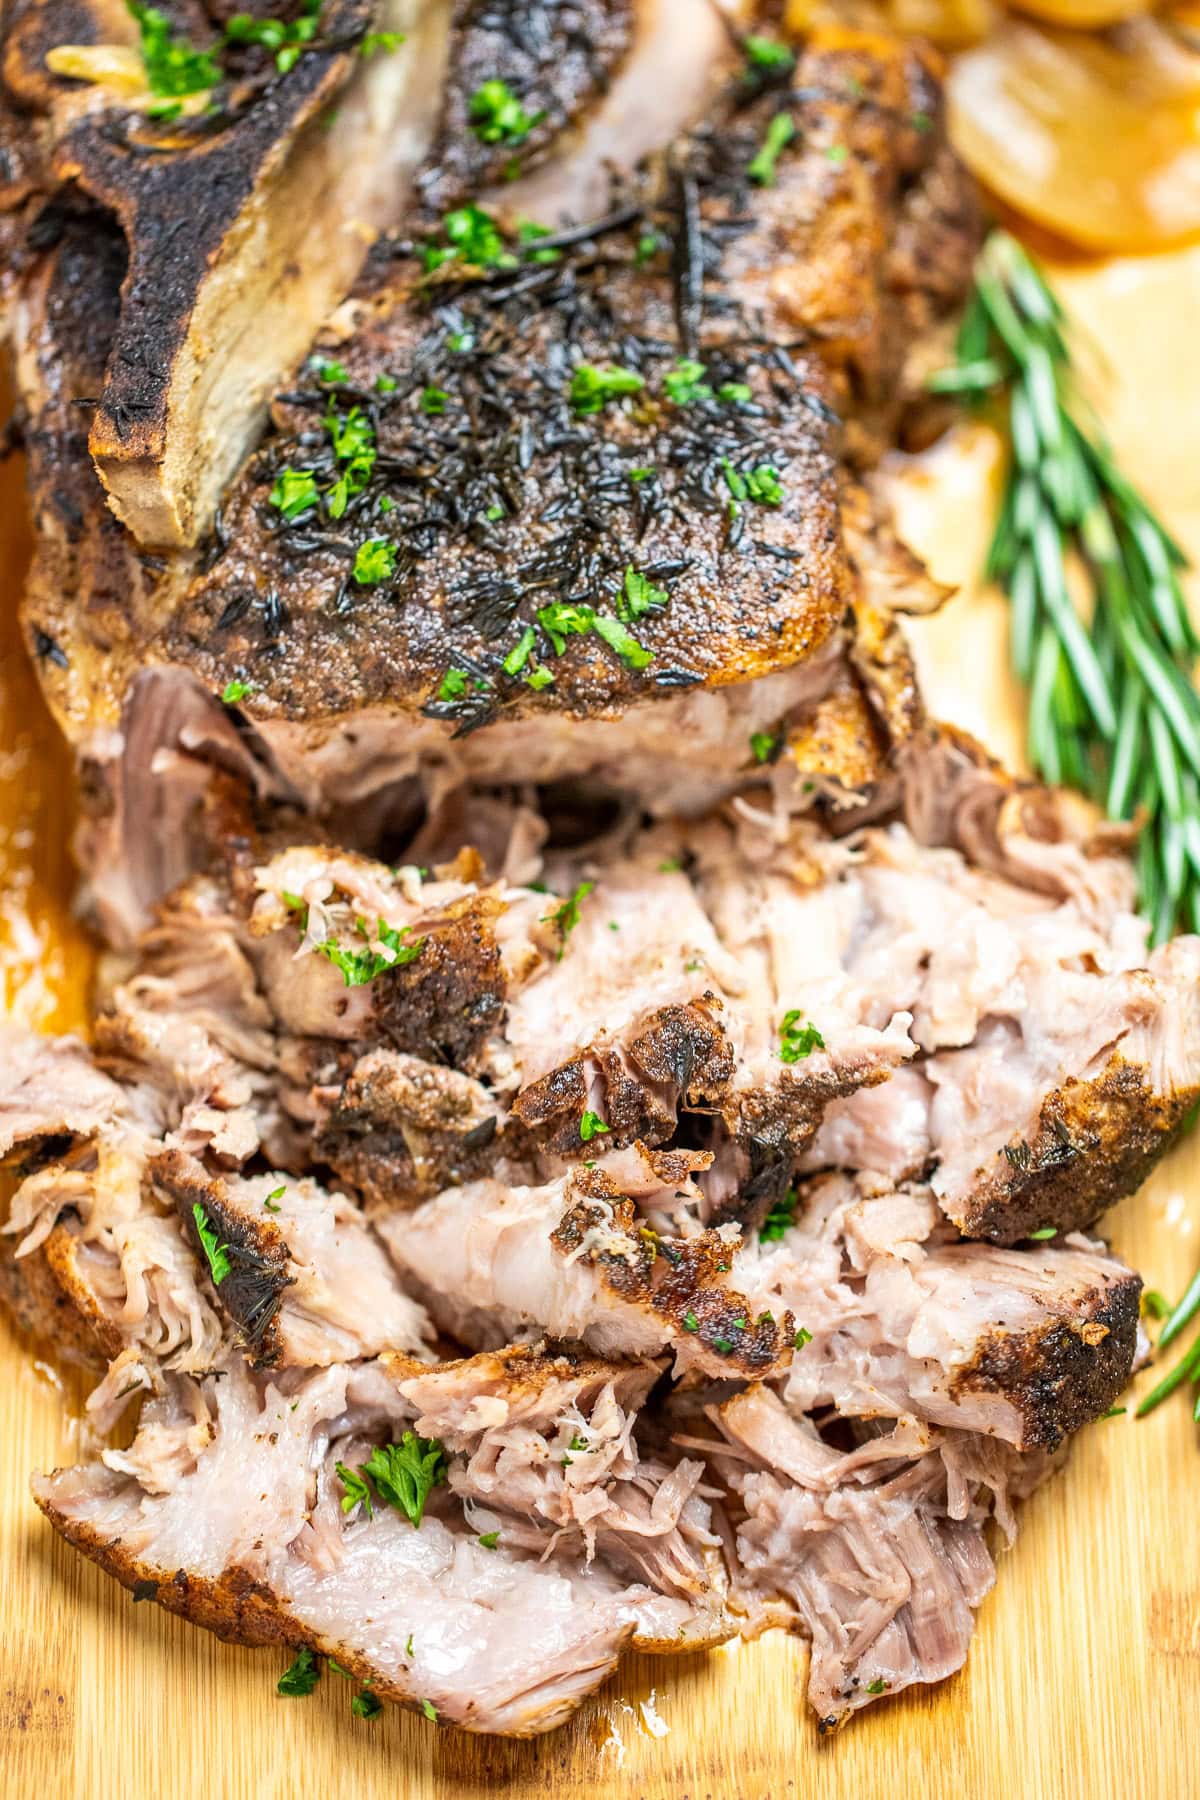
(1064, 1374)
(682, 1281)
(1095, 1142)
(555, 56)
(252, 1291)
(402, 1129)
(444, 1005)
(42, 1303)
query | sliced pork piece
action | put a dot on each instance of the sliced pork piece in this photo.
(1056, 1060)
(878, 1555)
(306, 1282)
(1020, 1345)
(229, 1508)
(668, 611)
(575, 1259)
(229, 272)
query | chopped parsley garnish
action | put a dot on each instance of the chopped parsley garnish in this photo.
(565, 918)
(387, 41)
(408, 1648)
(639, 595)
(780, 1219)
(647, 246)
(1044, 1231)
(497, 116)
(374, 561)
(433, 401)
(802, 1337)
(592, 388)
(235, 691)
(358, 967)
(286, 39)
(335, 1668)
(357, 1492)
(329, 374)
(760, 484)
(690, 1322)
(641, 474)
(386, 384)
(1114, 1412)
(878, 1686)
(627, 647)
(366, 1705)
(455, 682)
(460, 341)
(173, 67)
(685, 383)
(353, 440)
(779, 134)
(519, 655)
(837, 153)
(528, 233)
(763, 744)
(301, 1678)
(404, 1473)
(590, 1126)
(295, 490)
(797, 1040)
(271, 1203)
(474, 237)
(430, 1710)
(722, 1345)
(561, 620)
(540, 677)
(214, 1250)
(494, 512)
(767, 53)
(489, 1539)
(921, 121)
(670, 865)
(1155, 1304)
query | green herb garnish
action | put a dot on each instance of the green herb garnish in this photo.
(497, 116)
(430, 1710)
(1112, 706)
(271, 1203)
(214, 1250)
(592, 388)
(590, 1126)
(358, 967)
(802, 1337)
(366, 1705)
(797, 1040)
(405, 1473)
(300, 1678)
(779, 134)
(780, 1219)
(357, 1492)
(528, 233)
(767, 53)
(475, 238)
(286, 38)
(685, 383)
(565, 918)
(1045, 1231)
(374, 561)
(763, 745)
(235, 691)
(489, 1539)
(173, 67)
(760, 484)
(294, 492)
(633, 654)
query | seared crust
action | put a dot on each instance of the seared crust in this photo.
(682, 1281)
(557, 60)
(1095, 1141)
(1066, 1373)
(443, 1005)
(400, 1132)
(43, 1303)
(252, 1291)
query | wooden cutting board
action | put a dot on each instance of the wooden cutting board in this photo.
(1083, 1676)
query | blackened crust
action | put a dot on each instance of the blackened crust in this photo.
(1095, 1142)
(1065, 1374)
(443, 1005)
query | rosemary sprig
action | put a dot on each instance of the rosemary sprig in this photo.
(1112, 707)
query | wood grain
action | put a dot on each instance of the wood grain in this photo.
(1084, 1671)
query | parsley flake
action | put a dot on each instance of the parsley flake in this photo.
(565, 918)
(366, 1705)
(271, 1203)
(433, 401)
(690, 1322)
(489, 1539)
(357, 1492)
(802, 1337)
(294, 492)
(497, 116)
(760, 484)
(685, 383)
(878, 1686)
(300, 1678)
(633, 654)
(779, 134)
(1046, 1231)
(358, 967)
(173, 67)
(329, 374)
(474, 237)
(780, 1219)
(235, 691)
(405, 1473)
(590, 1126)
(286, 39)
(386, 384)
(767, 53)
(430, 1710)
(374, 561)
(592, 388)
(763, 745)
(639, 595)
(214, 1250)
(387, 41)
(796, 1040)
(528, 233)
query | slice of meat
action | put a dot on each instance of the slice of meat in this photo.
(555, 61)
(575, 1259)
(692, 616)
(1024, 1346)
(878, 1555)
(228, 1508)
(1056, 1060)
(229, 273)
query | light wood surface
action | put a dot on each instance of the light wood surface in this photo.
(1083, 1678)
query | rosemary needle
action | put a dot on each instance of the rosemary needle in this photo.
(1112, 707)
